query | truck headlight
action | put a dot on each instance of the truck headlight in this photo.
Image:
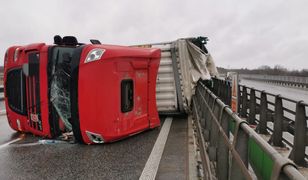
(94, 54)
(95, 138)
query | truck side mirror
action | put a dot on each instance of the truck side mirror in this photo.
(25, 69)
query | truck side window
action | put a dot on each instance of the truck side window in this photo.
(127, 95)
(16, 91)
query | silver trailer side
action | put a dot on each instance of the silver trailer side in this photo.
(182, 63)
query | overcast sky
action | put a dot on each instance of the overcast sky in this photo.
(242, 33)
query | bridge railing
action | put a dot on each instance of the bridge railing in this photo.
(283, 118)
(277, 79)
(229, 146)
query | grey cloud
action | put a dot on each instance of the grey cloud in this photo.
(243, 33)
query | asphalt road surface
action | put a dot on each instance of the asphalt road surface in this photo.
(125, 159)
(26, 159)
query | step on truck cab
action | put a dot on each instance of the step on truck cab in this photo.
(100, 92)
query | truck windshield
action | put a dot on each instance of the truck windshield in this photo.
(60, 83)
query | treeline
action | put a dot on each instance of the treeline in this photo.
(276, 70)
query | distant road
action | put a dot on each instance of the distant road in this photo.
(296, 81)
(292, 93)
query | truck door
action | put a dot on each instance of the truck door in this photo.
(33, 91)
(134, 96)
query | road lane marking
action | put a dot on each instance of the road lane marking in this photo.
(13, 141)
(151, 167)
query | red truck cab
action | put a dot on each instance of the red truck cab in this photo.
(100, 92)
(26, 95)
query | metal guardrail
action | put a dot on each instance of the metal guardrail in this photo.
(296, 81)
(260, 107)
(228, 145)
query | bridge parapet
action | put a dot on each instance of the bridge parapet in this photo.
(230, 145)
(284, 119)
(296, 81)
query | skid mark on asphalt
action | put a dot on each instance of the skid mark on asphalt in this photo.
(150, 170)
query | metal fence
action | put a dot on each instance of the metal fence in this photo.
(283, 118)
(296, 81)
(230, 148)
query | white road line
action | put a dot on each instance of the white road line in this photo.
(10, 142)
(151, 167)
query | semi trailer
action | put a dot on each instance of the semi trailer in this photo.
(102, 93)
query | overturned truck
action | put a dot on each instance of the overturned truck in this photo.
(101, 93)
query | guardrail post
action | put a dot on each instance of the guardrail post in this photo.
(241, 146)
(199, 107)
(276, 138)
(229, 94)
(219, 88)
(261, 128)
(215, 86)
(300, 137)
(223, 150)
(214, 132)
(244, 103)
(239, 99)
(204, 115)
(252, 107)
(208, 122)
(224, 92)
